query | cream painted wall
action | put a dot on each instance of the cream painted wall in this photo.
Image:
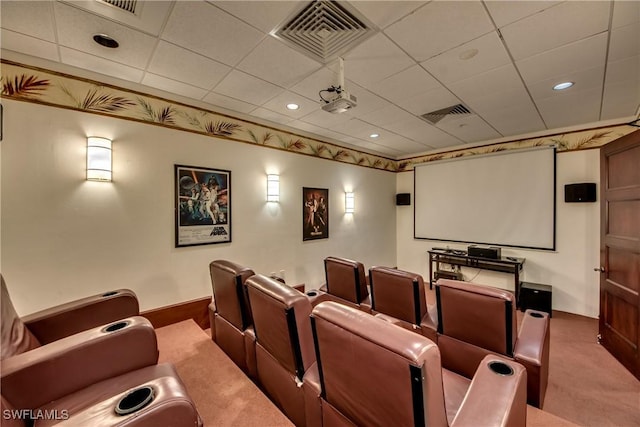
(63, 237)
(569, 269)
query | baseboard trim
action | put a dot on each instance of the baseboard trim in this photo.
(197, 309)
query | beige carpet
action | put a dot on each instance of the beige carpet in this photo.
(581, 389)
(222, 393)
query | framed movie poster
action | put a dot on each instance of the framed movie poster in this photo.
(315, 213)
(203, 206)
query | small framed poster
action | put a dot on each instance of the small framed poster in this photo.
(202, 205)
(315, 213)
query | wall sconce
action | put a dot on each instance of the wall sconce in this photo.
(349, 203)
(273, 188)
(98, 159)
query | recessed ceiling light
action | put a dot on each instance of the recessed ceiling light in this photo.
(563, 85)
(374, 135)
(106, 41)
(293, 106)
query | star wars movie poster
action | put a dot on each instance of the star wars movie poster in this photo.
(315, 213)
(203, 206)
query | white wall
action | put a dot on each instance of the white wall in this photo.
(569, 269)
(63, 237)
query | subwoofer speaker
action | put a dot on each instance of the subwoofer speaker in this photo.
(580, 193)
(403, 199)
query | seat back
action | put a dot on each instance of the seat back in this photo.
(374, 373)
(227, 280)
(232, 313)
(398, 293)
(284, 343)
(346, 279)
(16, 338)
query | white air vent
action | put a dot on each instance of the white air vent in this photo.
(126, 5)
(324, 30)
(435, 116)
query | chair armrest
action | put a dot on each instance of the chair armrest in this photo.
(532, 351)
(399, 322)
(429, 323)
(39, 376)
(495, 399)
(212, 322)
(316, 296)
(67, 319)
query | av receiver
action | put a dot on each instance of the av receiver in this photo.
(484, 252)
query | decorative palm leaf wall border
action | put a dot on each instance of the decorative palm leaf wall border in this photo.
(31, 84)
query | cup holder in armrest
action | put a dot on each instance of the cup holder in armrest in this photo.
(116, 326)
(536, 314)
(312, 293)
(501, 368)
(135, 400)
(109, 294)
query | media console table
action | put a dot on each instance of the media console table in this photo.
(504, 265)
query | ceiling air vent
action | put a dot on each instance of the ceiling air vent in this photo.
(324, 30)
(435, 116)
(126, 5)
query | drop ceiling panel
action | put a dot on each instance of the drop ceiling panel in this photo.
(625, 13)
(438, 27)
(314, 83)
(625, 42)
(272, 116)
(29, 45)
(405, 145)
(583, 80)
(450, 66)
(279, 104)
(191, 68)
(360, 129)
(420, 131)
(469, 128)
(506, 12)
(622, 91)
(211, 32)
(405, 84)
(324, 119)
(570, 108)
(383, 13)
(173, 86)
(264, 15)
(229, 103)
(271, 60)
(556, 26)
(431, 100)
(77, 28)
(106, 67)
(375, 59)
(367, 101)
(246, 88)
(514, 119)
(31, 18)
(563, 61)
(387, 115)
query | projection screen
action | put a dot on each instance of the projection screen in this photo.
(505, 199)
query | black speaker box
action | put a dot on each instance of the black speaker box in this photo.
(579, 193)
(491, 252)
(403, 199)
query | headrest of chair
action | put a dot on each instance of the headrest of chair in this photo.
(16, 338)
(375, 372)
(346, 279)
(398, 293)
(227, 280)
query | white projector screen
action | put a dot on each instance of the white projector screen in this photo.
(504, 199)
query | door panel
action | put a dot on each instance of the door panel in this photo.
(620, 250)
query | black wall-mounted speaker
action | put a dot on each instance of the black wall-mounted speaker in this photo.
(403, 199)
(580, 193)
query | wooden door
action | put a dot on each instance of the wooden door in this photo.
(620, 250)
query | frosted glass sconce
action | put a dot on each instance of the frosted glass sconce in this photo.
(349, 203)
(98, 159)
(273, 188)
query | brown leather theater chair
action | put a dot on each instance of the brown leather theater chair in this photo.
(476, 320)
(374, 373)
(67, 319)
(230, 313)
(284, 349)
(346, 283)
(399, 297)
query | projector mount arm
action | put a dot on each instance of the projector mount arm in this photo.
(337, 89)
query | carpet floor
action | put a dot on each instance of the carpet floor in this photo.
(587, 386)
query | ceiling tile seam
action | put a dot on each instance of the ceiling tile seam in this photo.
(606, 59)
(107, 18)
(99, 57)
(158, 38)
(405, 15)
(56, 38)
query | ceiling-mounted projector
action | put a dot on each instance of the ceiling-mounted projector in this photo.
(342, 102)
